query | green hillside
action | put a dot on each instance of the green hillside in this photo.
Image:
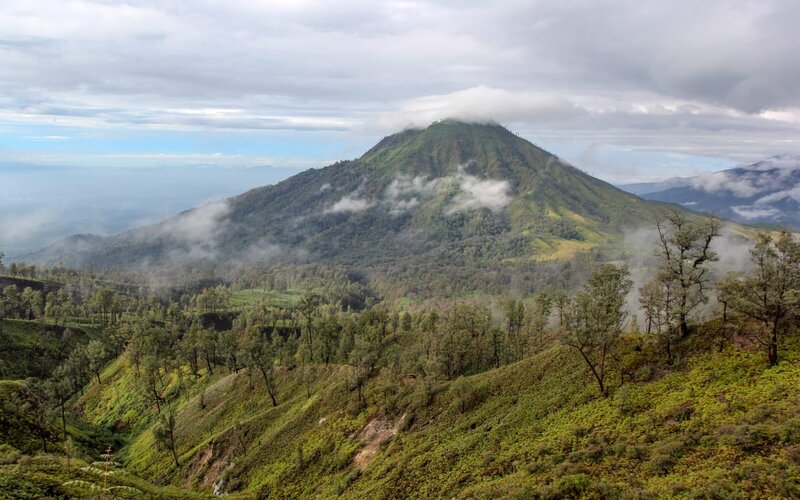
(31, 348)
(724, 425)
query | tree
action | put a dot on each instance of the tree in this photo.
(307, 308)
(60, 390)
(260, 354)
(560, 301)
(35, 404)
(769, 294)
(190, 345)
(515, 319)
(328, 331)
(12, 300)
(595, 318)
(102, 302)
(685, 248)
(164, 432)
(97, 354)
(32, 303)
(656, 299)
(150, 382)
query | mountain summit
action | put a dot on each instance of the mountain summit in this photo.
(454, 194)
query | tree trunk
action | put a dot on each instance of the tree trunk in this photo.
(64, 421)
(684, 328)
(208, 364)
(174, 453)
(773, 345)
(269, 386)
(598, 377)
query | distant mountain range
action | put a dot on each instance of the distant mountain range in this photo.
(764, 192)
(453, 197)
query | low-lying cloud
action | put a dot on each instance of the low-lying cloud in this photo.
(200, 224)
(352, 202)
(772, 174)
(752, 212)
(406, 193)
(475, 192)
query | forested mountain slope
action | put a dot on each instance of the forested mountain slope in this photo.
(452, 194)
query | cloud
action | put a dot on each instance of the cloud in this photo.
(201, 224)
(475, 192)
(472, 192)
(262, 252)
(404, 194)
(720, 182)
(350, 203)
(23, 227)
(753, 212)
(483, 104)
(278, 65)
(784, 194)
(750, 180)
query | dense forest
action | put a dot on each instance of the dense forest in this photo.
(305, 381)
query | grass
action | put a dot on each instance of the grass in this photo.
(724, 422)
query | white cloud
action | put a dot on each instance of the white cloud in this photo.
(350, 203)
(26, 226)
(245, 65)
(475, 192)
(754, 212)
(198, 225)
(750, 180)
(792, 194)
(720, 182)
(483, 104)
(404, 194)
(472, 192)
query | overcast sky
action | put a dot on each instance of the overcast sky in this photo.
(628, 90)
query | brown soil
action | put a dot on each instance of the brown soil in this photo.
(373, 435)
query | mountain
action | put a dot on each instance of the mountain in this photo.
(65, 250)
(454, 194)
(766, 192)
(643, 188)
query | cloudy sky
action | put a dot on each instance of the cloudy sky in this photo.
(105, 103)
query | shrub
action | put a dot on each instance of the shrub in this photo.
(748, 438)
(792, 454)
(465, 394)
(790, 432)
(8, 454)
(682, 412)
(573, 486)
(664, 454)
